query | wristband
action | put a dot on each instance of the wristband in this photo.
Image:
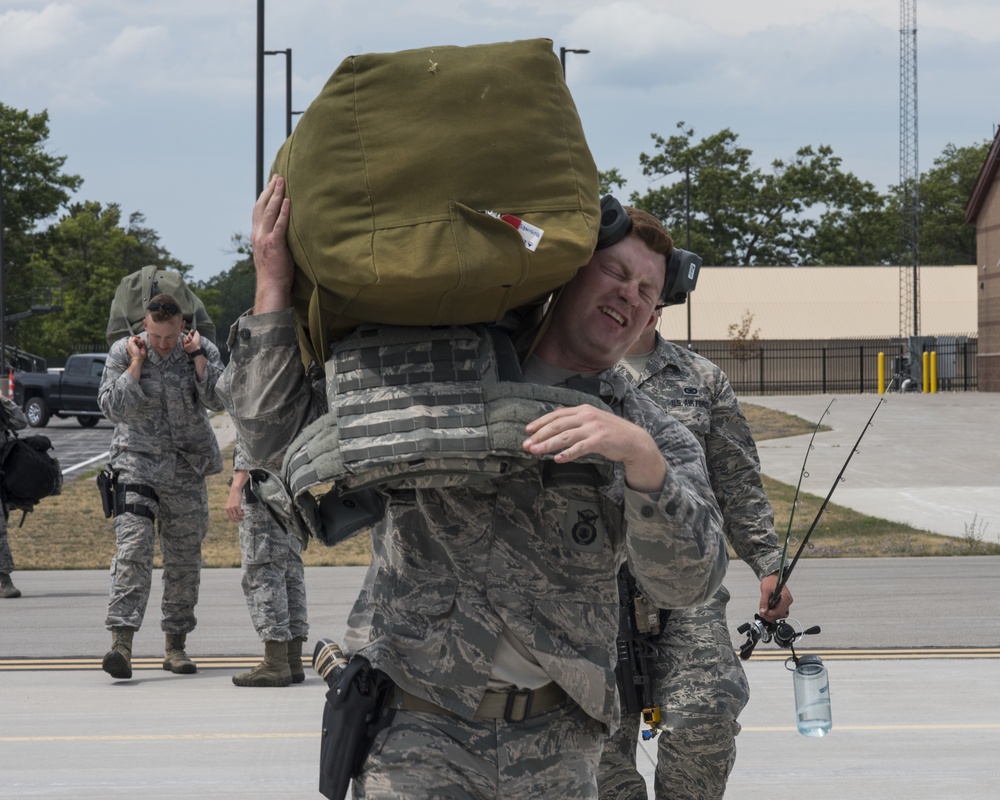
(199, 352)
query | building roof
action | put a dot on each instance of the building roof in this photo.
(823, 303)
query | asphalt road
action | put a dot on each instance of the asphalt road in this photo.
(77, 448)
(860, 604)
(911, 646)
(82, 449)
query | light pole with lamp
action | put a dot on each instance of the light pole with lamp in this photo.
(261, 52)
(288, 86)
(562, 56)
(260, 98)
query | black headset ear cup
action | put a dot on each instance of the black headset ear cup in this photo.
(683, 268)
(615, 222)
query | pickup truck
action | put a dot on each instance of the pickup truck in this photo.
(68, 392)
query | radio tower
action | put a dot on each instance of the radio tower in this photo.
(909, 174)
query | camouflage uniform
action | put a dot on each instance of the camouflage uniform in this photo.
(15, 420)
(273, 576)
(163, 440)
(697, 678)
(533, 554)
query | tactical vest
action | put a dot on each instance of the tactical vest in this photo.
(410, 408)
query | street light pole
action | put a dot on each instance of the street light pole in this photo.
(260, 98)
(288, 86)
(562, 56)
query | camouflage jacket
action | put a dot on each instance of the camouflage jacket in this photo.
(536, 551)
(161, 422)
(12, 416)
(698, 393)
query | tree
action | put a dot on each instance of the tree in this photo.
(147, 249)
(740, 215)
(227, 295)
(861, 231)
(34, 189)
(945, 238)
(610, 180)
(742, 340)
(84, 256)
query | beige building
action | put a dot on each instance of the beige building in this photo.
(796, 303)
(983, 211)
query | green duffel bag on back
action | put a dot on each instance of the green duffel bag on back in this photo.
(128, 308)
(439, 186)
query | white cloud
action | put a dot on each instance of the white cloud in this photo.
(152, 99)
(26, 35)
(136, 44)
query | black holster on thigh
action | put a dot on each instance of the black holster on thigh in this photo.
(353, 715)
(113, 495)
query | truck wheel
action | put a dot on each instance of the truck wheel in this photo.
(37, 412)
(88, 422)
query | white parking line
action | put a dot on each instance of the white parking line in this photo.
(105, 454)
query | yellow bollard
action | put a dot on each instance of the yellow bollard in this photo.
(933, 371)
(881, 373)
(926, 371)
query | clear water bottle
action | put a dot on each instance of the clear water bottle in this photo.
(812, 696)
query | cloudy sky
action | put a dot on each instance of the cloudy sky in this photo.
(153, 101)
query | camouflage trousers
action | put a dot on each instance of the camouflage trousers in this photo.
(181, 524)
(701, 688)
(273, 577)
(6, 559)
(422, 755)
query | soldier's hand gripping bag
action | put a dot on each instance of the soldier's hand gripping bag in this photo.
(353, 715)
(438, 186)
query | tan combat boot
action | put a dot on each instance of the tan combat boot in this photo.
(176, 660)
(295, 659)
(272, 671)
(7, 588)
(118, 660)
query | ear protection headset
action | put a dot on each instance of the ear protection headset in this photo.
(682, 265)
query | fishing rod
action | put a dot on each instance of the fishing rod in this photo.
(773, 600)
(782, 632)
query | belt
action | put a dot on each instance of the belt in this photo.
(513, 706)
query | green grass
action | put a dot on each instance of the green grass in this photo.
(71, 532)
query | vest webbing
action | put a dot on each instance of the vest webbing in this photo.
(419, 407)
(416, 408)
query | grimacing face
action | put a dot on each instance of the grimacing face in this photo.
(609, 302)
(163, 336)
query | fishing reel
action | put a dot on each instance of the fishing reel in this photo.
(784, 633)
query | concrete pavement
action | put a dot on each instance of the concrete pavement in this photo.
(919, 720)
(929, 460)
(917, 725)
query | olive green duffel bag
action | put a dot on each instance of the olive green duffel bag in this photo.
(128, 307)
(437, 186)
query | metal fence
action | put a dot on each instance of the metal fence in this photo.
(839, 367)
(813, 366)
